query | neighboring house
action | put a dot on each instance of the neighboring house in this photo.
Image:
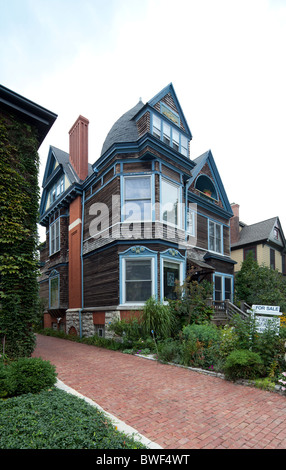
(128, 226)
(13, 105)
(265, 240)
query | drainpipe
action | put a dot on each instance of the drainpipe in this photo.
(188, 183)
(81, 263)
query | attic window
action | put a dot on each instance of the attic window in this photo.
(205, 185)
(276, 233)
(169, 135)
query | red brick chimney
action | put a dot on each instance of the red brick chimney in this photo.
(79, 147)
(234, 224)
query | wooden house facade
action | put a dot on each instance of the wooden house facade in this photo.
(128, 226)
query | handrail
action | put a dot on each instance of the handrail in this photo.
(227, 307)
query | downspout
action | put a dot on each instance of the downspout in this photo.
(81, 263)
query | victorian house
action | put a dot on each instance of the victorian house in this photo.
(127, 226)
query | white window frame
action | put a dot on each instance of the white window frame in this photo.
(124, 217)
(223, 277)
(55, 240)
(123, 278)
(215, 225)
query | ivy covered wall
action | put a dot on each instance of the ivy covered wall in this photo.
(19, 202)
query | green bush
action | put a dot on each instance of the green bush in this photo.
(243, 364)
(170, 350)
(30, 375)
(228, 341)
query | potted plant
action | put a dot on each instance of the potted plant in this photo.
(207, 192)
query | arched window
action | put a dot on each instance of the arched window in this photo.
(205, 185)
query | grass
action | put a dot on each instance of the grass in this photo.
(54, 419)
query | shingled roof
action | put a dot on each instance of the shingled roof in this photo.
(255, 233)
(124, 129)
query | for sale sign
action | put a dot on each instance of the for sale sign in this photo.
(266, 316)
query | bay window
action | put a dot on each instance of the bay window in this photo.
(170, 202)
(137, 199)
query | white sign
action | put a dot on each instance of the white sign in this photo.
(262, 321)
(266, 309)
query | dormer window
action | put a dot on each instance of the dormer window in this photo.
(57, 189)
(169, 135)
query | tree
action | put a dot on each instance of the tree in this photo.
(261, 285)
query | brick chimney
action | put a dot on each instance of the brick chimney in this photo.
(79, 147)
(234, 224)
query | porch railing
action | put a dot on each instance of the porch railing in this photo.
(225, 309)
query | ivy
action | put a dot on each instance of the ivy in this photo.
(19, 202)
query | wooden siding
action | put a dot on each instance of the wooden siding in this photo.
(101, 278)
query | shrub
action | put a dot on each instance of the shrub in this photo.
(157, 317)
(192, 304)
(170, 351)
(243, 364)
(30, 375)
(228, 341)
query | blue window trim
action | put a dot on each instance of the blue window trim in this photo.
(223, 276)
(221, 236)
(53, 275)
(172, 255)
(137, 252)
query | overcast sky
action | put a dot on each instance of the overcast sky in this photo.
(225, 59)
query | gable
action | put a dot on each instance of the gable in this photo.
(56, 179)
(205, 186)
(167, 104)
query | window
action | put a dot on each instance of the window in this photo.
(166, 133)
(191, 230)
(170, 199)
(169, 135)
(215, 237)
(171, 274)
(156, 127)
(137, 204)
(223, 287)
(55, 237)
(57, 189)
(172, 268)
(54, 284)
(250, 250)
(176, 140)
(276, 233)
(272, 258)
(137, 275)
(184, 146)
(138, 284)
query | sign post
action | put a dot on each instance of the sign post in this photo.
(266, 315)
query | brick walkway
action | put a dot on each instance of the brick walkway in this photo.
(175, 407)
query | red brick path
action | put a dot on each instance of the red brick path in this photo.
(174, 407)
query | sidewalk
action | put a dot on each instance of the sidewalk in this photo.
(174, 407)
